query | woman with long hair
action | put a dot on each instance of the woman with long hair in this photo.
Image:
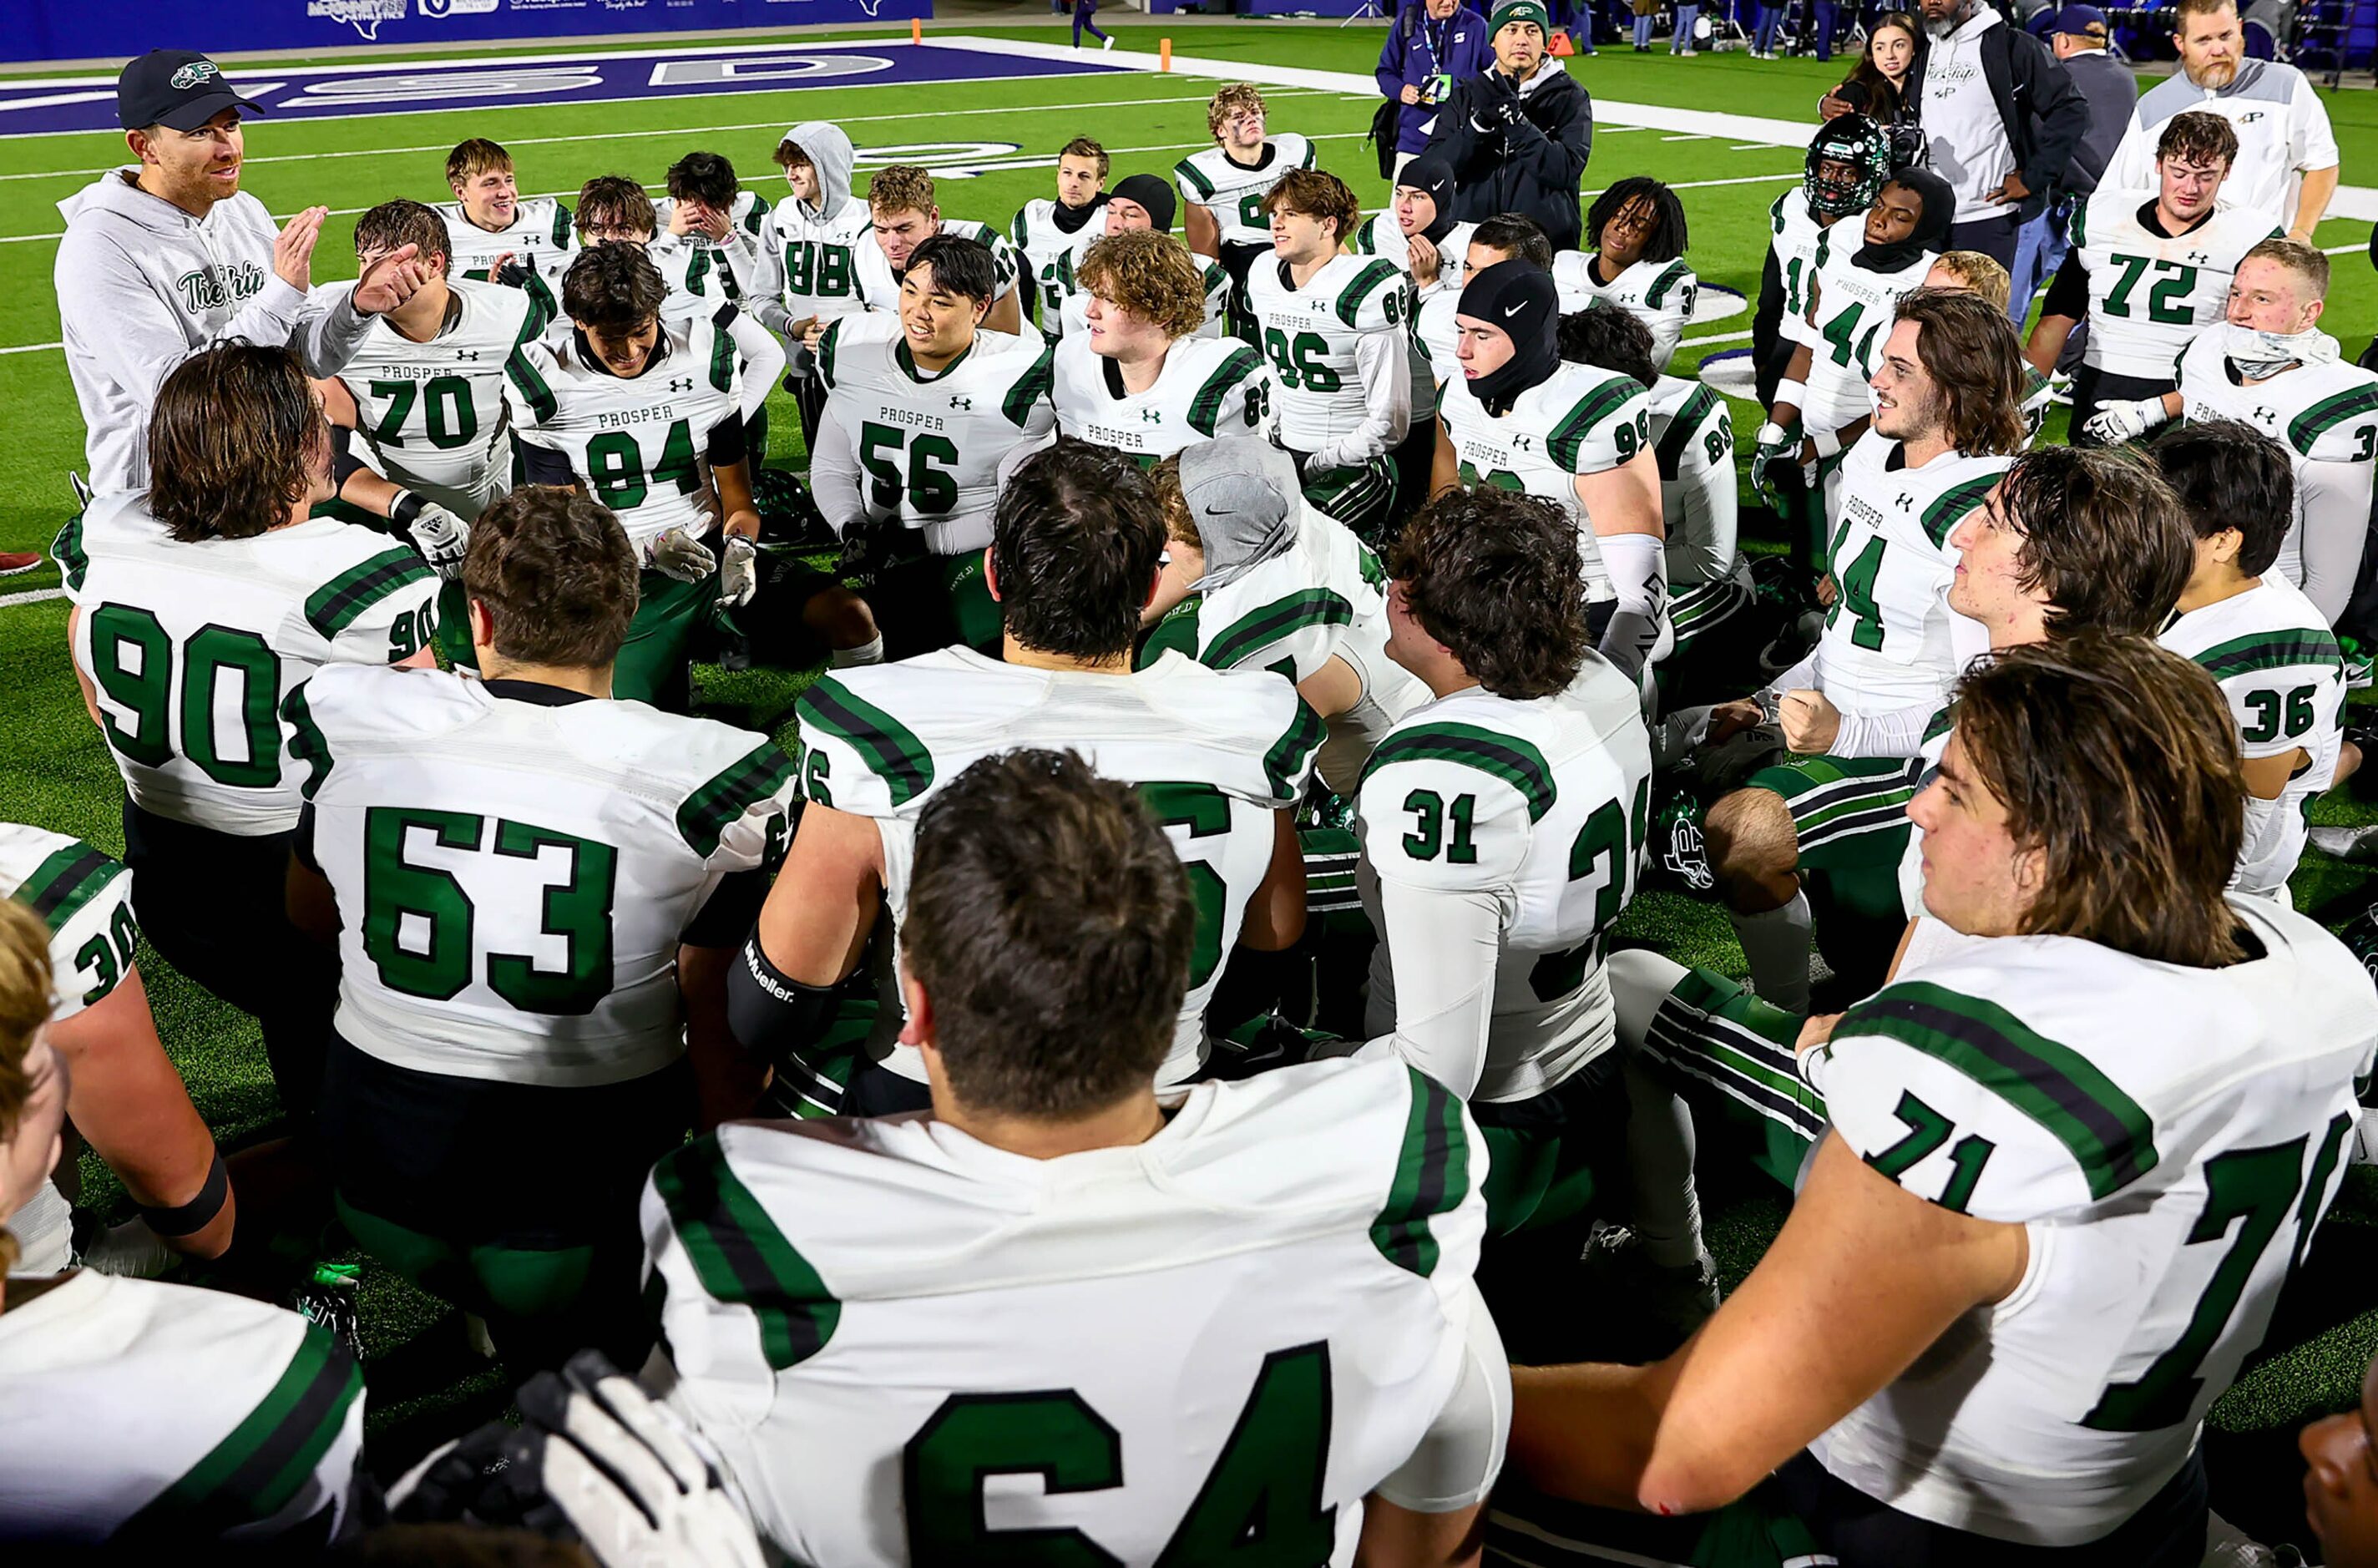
(1887, 73)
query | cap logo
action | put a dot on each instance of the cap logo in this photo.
(194, 73)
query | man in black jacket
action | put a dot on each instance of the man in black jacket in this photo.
(1518, 137)
(2001, 117)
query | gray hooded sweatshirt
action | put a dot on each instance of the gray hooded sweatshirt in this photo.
(828, 221)
(142, 285)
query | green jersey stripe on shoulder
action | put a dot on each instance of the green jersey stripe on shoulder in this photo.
(1432, 1178)
(1290, 761)
(1366, 238)
(722, 350)
(2271, 651)
(1824, 245)
(341, 602)
(1665, 283)
(61, 885)
(1206, 408)
(891, 750)
(827, 343)
(2328, 413)
(757, 218)
(1260, 627)
(1942, 723)
(2110, 1135)
(1775, 212)
(1176, 633)
(741, 1258)
(1031, 387)
(562, 225)
(255, 1472)
(1197, 181)
(1350, 298)
(1015, 228)
(306, 741)
(1568, 436)
(529, 381)
(758, 775)
(1682, 427)
(67, 551)
(542, 309)
(1517, 762)
(1948, 507)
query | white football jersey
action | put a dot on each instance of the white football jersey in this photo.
(2150, 293)
(695, 264)
(542, 237)
(1692, 437)
(1541, 806)
(636, 443)
(136, 1411)
(879, 286)
(1065, 305)
(929, 449)
(192, 647)
(2277, 661)
(1215, 752)
(2324, 413)
(1659, 294)
(1290, 613)
(1886, 643)
(1845, 326)
(1209, 386)
(515, 874)
(1234, 192)
(818, 258)
(1431, 309)
(1582, 419)
(1793, 234)
(1313, 335)
(1235, 1326)
(432, 414)
(85, 898)
(1040, 244)
(2169, 1138)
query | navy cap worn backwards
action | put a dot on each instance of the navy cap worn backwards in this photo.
(172, 87)
(2080, 19)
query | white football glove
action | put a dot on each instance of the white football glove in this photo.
(1777, 447)
(442, 537)
(739, 572)
(2115, 423)
(679, 554)
(594, 1457)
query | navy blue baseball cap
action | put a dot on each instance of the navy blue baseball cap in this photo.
(2080, 19)
(179, 88)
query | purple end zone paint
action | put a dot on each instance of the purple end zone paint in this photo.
(87, 103)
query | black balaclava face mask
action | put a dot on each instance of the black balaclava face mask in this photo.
(1152, 193)
(1939, 206)
(1521, 300)
(1435, 175)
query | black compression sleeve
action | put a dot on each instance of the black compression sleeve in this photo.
(543, 465)
(768, 1010)
(727, 443)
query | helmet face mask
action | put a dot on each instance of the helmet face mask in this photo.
(1848, 164)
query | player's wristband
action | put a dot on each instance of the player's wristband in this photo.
(1827, 442)
(768, 1010)
(1793, 392)
(405, 509)
(188, 1219)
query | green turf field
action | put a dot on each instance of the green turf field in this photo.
(54, 771)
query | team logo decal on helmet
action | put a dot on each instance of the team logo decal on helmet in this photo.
(1848, 164)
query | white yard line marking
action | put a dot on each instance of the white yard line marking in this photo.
(37, 596)
(31, 348)
(689, 130)
(1714, 338)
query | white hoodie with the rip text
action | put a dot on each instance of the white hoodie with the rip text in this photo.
(142, 285)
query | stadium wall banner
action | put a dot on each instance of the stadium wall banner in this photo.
(78, 30)
(30, 107)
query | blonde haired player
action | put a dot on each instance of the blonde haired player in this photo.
(904, 213)
(1139, 379)
(489, 222)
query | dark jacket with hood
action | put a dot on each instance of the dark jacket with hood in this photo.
(1520, 151)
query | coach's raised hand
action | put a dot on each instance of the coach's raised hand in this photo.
(388, 281)
(293, 249)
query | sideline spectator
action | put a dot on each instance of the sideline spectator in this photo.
(1886, 74)
(2109, 89)
(1434, 44)
(2286, 154)
(1518, 134)
(1762, 37)
(2002, 118)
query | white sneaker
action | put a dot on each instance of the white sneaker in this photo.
(2225, 1546)
(1108, 44)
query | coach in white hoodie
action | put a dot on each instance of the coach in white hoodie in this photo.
(167, 255)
